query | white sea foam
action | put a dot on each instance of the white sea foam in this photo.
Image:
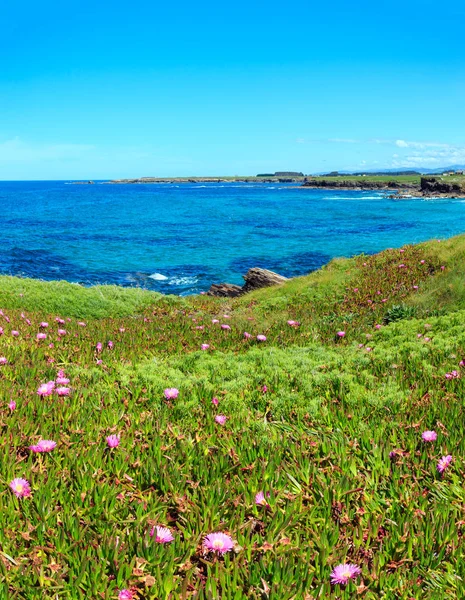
(182, 281)
(158, 277)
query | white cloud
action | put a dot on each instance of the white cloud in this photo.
(421, 145)
(344, 141)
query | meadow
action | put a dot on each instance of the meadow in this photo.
(316, 428)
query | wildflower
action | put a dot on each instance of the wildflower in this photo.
(113, 441)
(82, 324)
(419, 335)
(378, 326)
(462, 363)
(292, 323)
(264, 389)
(20, 487)
(125, 595)
(261, 338)
(171, 393)
(15, 333)
(43, 324)
(45, 390)
(247, 335)
(63, 391)
(3, 360)
(344, 572)
(415, 287)
(444, 463)
(41, 336)
(368, 349)
(340, 334)
(215, 321)
(215, 401)
(99, 346)
(260, 499)
(62, 380)
(221, 419)
(1, 330)
(61, 332)
(225, 327)
(422, 262)
(218, 542)
(402, 266)
(43, 446)
(110, 344)
(12, 405)
(200, 327)
(205, 346)
(162, 535)
(429, 436)
(443, 268)
(122, 329)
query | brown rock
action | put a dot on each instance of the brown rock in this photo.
(259, 278)
(225, 290)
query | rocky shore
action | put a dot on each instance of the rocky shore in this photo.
(428, 187)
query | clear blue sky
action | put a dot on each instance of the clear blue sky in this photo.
(124, 89)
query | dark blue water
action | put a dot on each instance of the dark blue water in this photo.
(181, 238)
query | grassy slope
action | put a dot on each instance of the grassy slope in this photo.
(318, 439)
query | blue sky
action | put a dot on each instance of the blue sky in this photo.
(116, 89)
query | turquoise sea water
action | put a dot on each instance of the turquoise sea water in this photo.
(181, 238)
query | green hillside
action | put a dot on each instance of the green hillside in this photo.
(329, 427)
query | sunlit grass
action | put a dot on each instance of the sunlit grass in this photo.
(330, 427)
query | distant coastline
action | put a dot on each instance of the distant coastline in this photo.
(441, 186)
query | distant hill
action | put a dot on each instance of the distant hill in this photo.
(419, 171)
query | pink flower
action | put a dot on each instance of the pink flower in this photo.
(341, 334)
(60, 380)
(63, 391)
(247, 335)
(264, 389)
(415, 287)
(422, 262)
(125, 595)
(122, 329)
(45, 390)
(205, 346)
(401, 250)
(162, 535)
(429, 436)
(59, 320)
(171, 393)
(43, 446)
(292, 323)
(3, 360)
(462, 363)
(226, 327)
(344, 572)
(402, 266)
(12, 405)
(113, 441)
(215, 401)
(215, 321)
(444, 463)
(99, 362)
(1, 330)
(99, 346)
(41, 336)
(218, 542)
(221, 419)
(110, 344)
(443, 268)
(20, 487)
(260, 499)
(43, 324)
(261, 338)
(378, 326)
(82, 324)
(200, 327)
(15, 333)
(61, 332)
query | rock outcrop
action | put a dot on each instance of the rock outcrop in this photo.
(254, 279)
(431, 185)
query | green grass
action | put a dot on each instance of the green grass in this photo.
(312, 419)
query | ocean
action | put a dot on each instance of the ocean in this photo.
(181, 238)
